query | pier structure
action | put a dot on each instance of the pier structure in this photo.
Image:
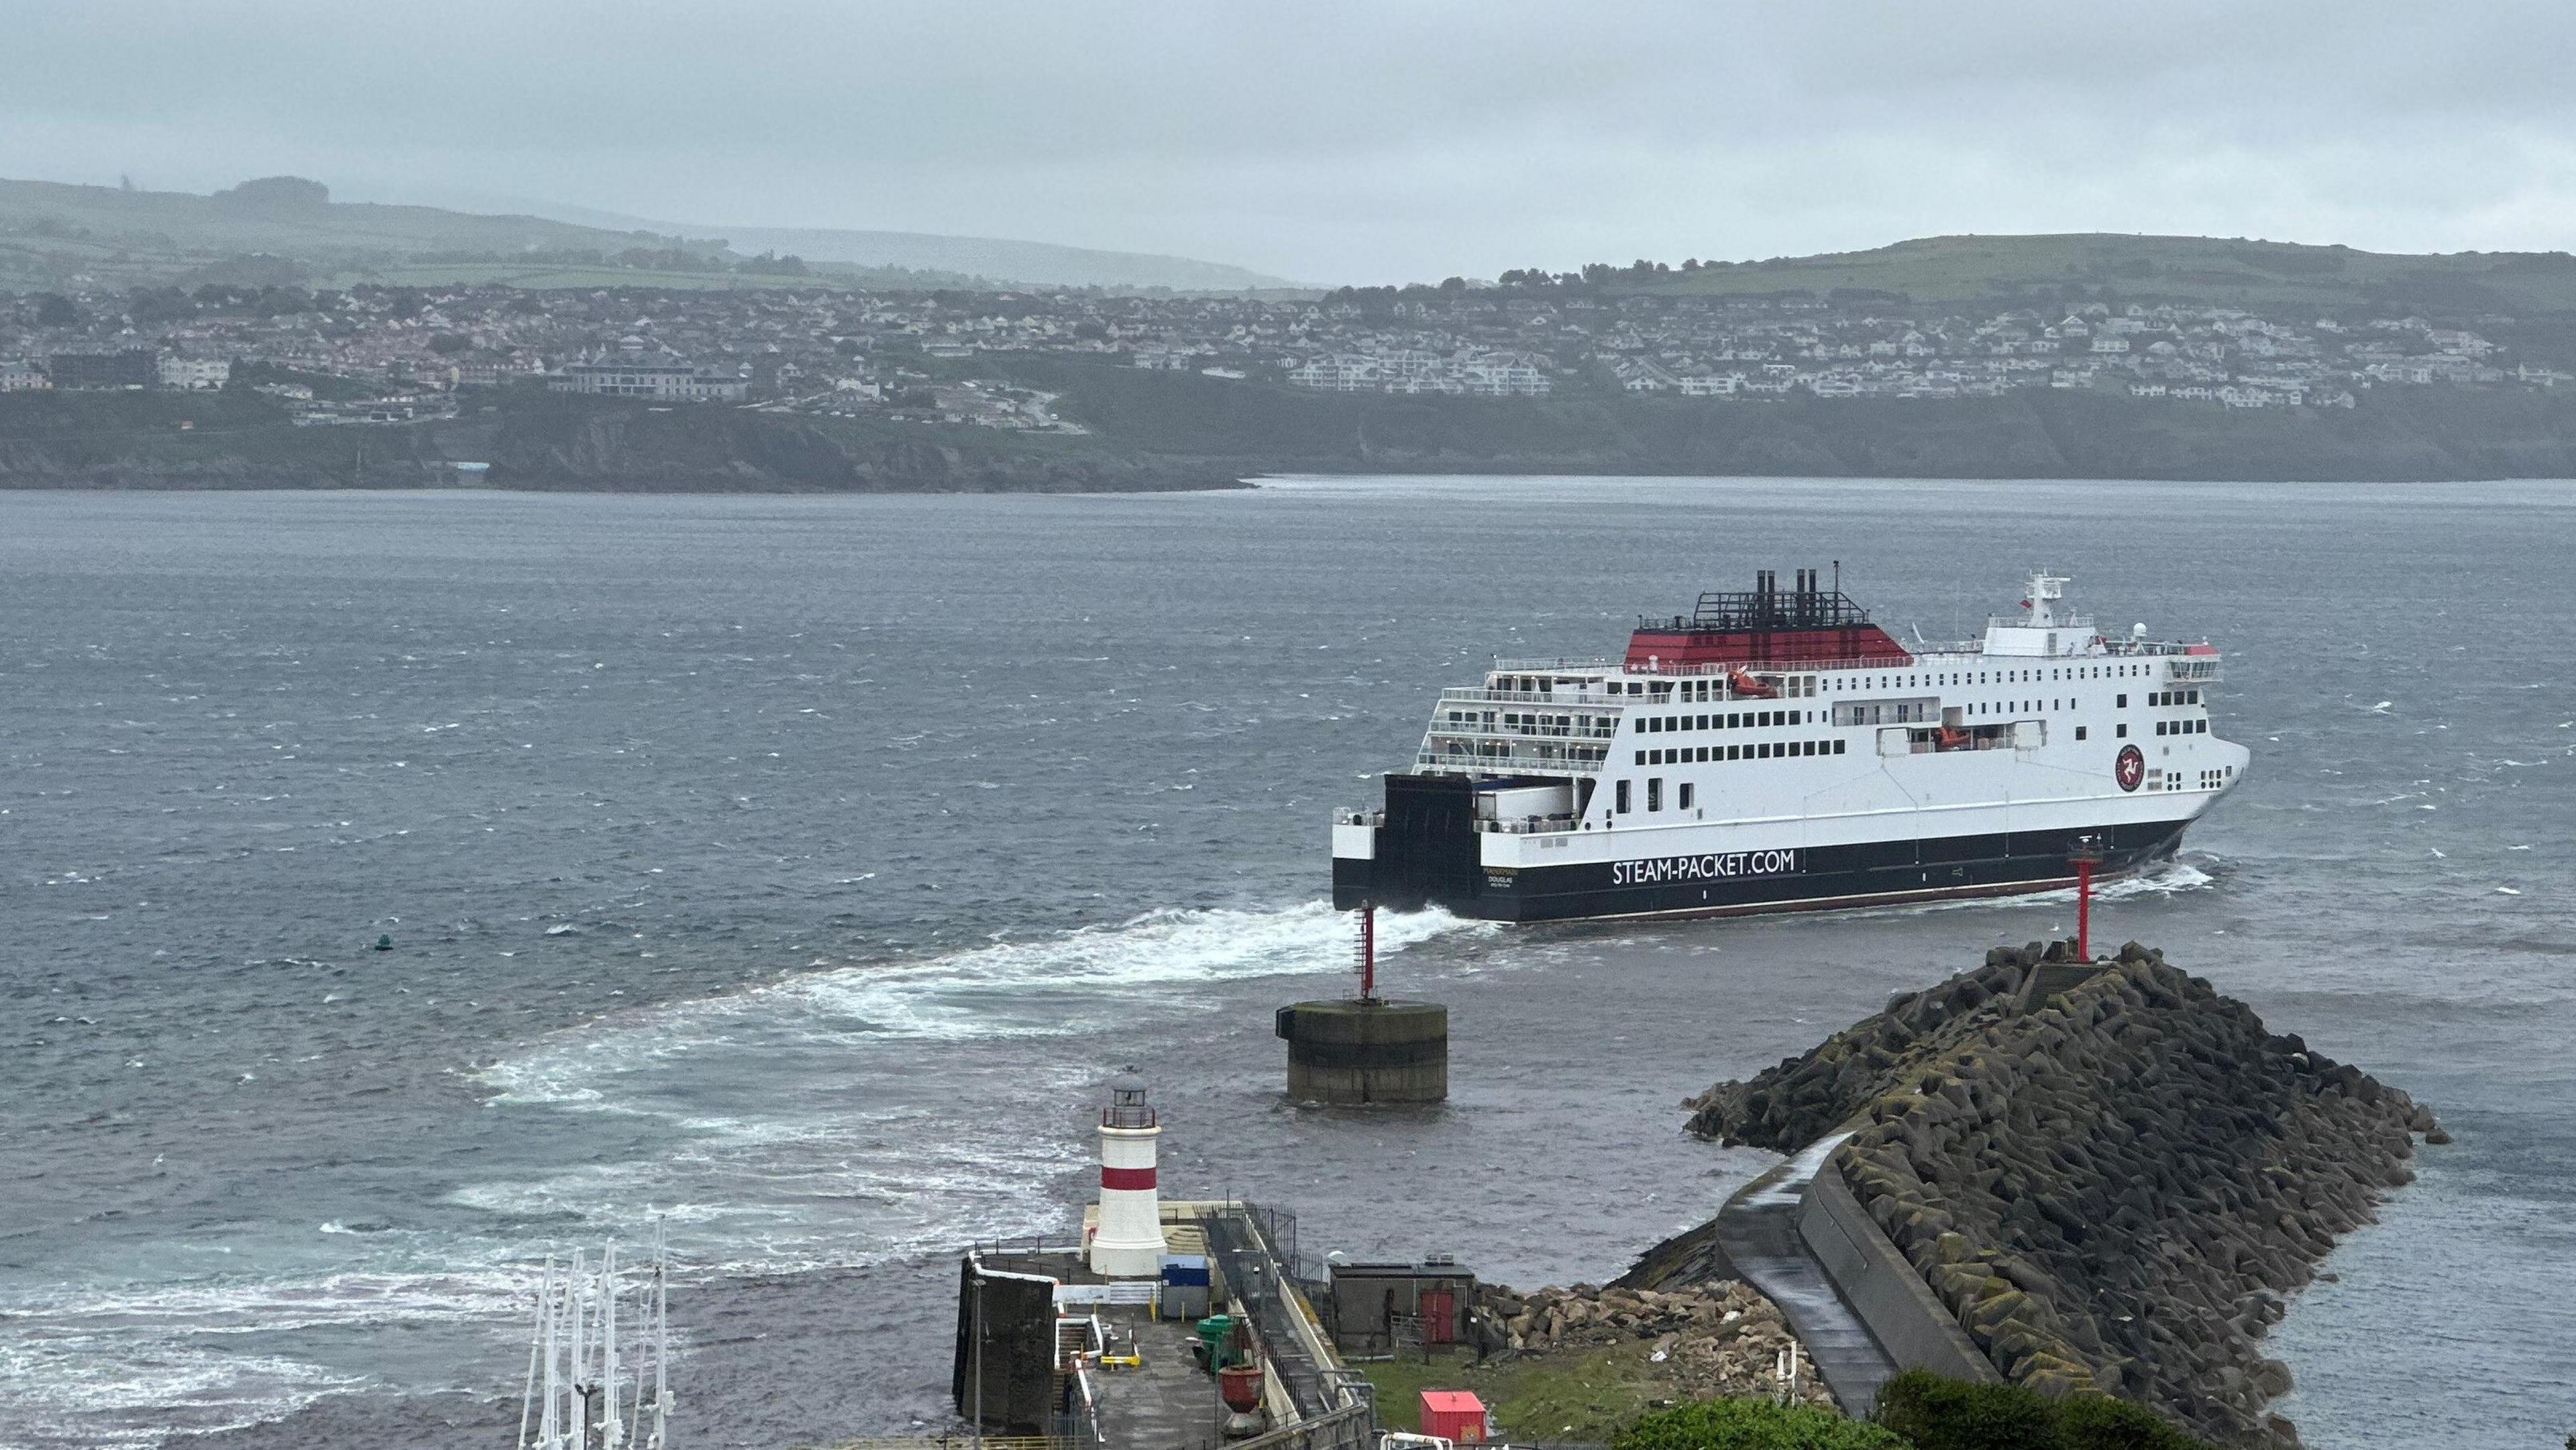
(1161, 1322)
(1366, 1049)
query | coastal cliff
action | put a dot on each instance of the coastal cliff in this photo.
(2108, 1173)
(1161, 430)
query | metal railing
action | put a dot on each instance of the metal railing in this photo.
(1480, 695)
(1509, 762)
(1531, 825)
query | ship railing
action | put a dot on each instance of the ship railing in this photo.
(1508, 763)
(1371, 819)
(1478, 695)
(1597, 664)
(2137, 647)
(1756, 668)
(1532, 825)
(1609, 730)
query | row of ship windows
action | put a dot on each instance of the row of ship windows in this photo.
(2182, 727)
(1994, 677)
(1763, 750)
(1709, 689)
(2162, 699)
(1731, 720)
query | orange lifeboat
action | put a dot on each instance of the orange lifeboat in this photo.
(1743, 684)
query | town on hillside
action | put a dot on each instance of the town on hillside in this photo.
(390, 354)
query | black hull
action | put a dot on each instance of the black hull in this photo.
(1427, 856)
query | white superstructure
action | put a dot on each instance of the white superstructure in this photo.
(1778, 750)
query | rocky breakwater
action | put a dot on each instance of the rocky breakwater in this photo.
(1718, 1338)
(2109, 1173)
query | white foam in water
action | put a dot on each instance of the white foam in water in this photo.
(2165, 878)
(751, 1118)
(80, 1366)
(1014, 989)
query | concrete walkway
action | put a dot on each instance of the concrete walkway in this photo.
(1758, 1230)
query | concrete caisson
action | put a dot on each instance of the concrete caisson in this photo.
(1367, 1052)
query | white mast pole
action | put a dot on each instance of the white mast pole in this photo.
(610, 1437)
(580, 1426)
(661, 1339)
(528, 1392)
(549, 1421)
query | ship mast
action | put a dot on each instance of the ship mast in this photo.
(577, 1367)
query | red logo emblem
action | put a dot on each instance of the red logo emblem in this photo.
(2131, 768)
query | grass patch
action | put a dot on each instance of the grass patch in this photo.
(1587, 1395)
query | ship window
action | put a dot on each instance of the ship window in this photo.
(1699, 753)
(1622, 806)
(1703, 722)
(2079, 732)
(1734, 721)
(2191, 697)
(2160, 727)
(1838, 746)
(1682, 797)
(1735, 752)
(1654, 792)
(2120, 700)
(1641, 757)
(2123, 732)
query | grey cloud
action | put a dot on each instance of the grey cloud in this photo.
(1344, 141)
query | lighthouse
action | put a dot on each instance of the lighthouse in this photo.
(1128, 1241)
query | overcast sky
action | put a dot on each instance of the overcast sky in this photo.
(1330, 142)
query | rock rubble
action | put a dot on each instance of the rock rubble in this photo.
(1718, 1338)
(2112, 1175)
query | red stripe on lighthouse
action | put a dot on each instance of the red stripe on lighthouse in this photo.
(1132, 1178)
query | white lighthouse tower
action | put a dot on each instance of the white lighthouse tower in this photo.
(1128, 1241)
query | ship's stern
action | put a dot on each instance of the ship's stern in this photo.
(1421, 850)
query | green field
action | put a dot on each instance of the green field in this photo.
(1583, 1397)
(2202, 270)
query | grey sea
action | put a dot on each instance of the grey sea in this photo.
(791, 872)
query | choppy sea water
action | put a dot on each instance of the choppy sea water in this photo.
(791, 871)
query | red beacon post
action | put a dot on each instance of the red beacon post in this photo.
(2084, 856)
(1368, 951)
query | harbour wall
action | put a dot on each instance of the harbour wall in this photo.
(2101, 1177)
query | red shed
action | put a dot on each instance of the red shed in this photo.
(1453, 1415)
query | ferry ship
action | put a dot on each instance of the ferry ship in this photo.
(1777, 751)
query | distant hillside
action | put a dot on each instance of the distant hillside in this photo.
(1037, 263)
(281, 229)
(2203, 270)
(1040, 264)
(50, 233)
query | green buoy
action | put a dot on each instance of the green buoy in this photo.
(385, 943)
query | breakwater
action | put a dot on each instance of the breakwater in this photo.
(2109, 1175)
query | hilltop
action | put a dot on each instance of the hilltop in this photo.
(2206, 271)
(287, 230)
